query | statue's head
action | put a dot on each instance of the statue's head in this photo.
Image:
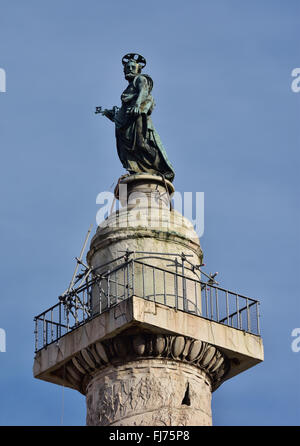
(133, 65)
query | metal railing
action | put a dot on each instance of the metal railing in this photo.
(178, 285)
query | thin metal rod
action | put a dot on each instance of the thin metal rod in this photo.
(258, 316)
(59, 320)
(185, 304)
(44, 336)
(248, 317)
(54, 323)
(36, 334)
(227, 308)
(68, 321)
(237, 311)
(76, 310)
(108, 291)
(164, 278)
(117, 289)
(160, 253)
(217, 304)
(206, 300)
(51, 325)
(124, 282)
(84, 306)
(154, 287)
(133, 276)
(127, 267)
(176, 285)
(100, 298)
(240, 310)
(80, 258)
(143, 274)
(46, 332)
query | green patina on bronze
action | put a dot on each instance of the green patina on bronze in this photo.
(139, 146)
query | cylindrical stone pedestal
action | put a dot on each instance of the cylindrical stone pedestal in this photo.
(147, 224)
(150, 392)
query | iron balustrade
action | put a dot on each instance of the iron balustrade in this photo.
(178, 286)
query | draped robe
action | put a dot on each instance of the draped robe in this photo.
(138, 144)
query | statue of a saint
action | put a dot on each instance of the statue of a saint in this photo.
(139, 146)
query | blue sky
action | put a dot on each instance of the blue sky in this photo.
(229, 121)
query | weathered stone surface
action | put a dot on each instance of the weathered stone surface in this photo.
(242, 349)
(155, 392)
(148, 225)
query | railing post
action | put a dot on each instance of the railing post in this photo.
(258, 316)
(89, 300)
(68, 322)
(124, 282)
(143, 275)
(133, 276)
(76, 309)
(154, 287)
(227, 307)
(165, 298)
(36, 334)
(44, 332)
(217, 304)
(206, 300)
(116, 286)
(127, 267)
(248, 316)
(51, 325)
(59, 319)
(100, 300)
(185, 306)
(211, 304)
(83, 305)
(108, 289)
(176, 284)
(237, 311)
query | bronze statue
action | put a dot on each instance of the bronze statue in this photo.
(139, 146)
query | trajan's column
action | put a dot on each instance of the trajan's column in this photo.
(142, 331)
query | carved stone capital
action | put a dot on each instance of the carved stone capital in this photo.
(138, 346)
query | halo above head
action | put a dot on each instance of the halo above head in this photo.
(140, 60)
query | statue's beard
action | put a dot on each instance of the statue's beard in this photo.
(130, 76)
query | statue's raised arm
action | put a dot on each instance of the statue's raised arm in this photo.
(139, 146)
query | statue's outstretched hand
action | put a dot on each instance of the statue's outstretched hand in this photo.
(110, 114)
